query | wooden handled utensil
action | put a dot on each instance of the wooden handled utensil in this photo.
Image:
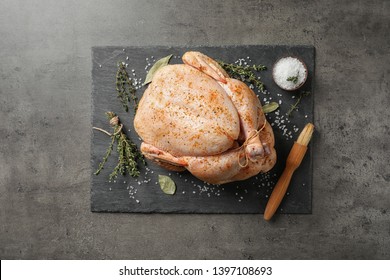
(294, 159)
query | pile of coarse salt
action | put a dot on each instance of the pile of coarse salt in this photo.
(286, 68)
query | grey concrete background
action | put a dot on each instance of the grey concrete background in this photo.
(45, 86)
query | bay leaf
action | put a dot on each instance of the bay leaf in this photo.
(270, 107)
(167, 185)
(156, 66)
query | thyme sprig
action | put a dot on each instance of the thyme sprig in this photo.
(125, 87)
(295, 105)
(293, 79)
(244, 73)
(128, 154)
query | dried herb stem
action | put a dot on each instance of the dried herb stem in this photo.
(293, 79)
(105, 158)
(128, 153)
(244, 73)
(125, 88)
(295, 105)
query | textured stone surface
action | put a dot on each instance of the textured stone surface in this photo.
(45, 101)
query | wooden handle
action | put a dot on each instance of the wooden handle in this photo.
(278, 193)
(294, 159)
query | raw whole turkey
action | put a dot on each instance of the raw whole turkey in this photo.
(194, 117)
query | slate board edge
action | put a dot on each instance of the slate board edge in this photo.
(91, 171)
(199, 46)
(313, 81)
(93, 209)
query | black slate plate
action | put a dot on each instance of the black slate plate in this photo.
(127, 194)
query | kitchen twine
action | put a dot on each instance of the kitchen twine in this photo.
(113, 122)
(243, 147)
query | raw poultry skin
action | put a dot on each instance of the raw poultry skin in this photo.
(193, 116)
